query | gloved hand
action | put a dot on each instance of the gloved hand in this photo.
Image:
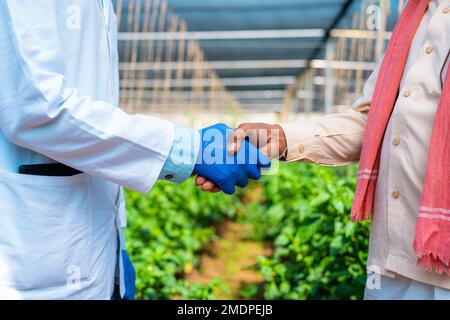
(224, 169)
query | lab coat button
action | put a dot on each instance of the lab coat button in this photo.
(301, 148)
(429, 50)
(406, 93)
(446, 10)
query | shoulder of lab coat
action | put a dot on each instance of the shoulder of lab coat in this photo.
(38, 111)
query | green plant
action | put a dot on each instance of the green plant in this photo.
(318, 252)
(166, 231)
(304, 210)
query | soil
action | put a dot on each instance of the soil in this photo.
(231, 258)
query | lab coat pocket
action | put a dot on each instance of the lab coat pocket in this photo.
(46, 230)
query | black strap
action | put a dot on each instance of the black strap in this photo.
(50, 169)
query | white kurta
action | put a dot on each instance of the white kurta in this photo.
(337, 139)
(59, 92)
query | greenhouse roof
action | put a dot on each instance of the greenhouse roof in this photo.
(263, 45)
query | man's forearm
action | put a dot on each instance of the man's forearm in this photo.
(333, 140)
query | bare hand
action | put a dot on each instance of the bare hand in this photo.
(269, 138)
(206, 185)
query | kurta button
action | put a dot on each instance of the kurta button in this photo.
(429, 50)
(446, 10)
(301, 148)
(406, 93)
(396, 141)
(169, 177)
(395, 194)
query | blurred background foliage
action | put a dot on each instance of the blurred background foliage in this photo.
(302, 214)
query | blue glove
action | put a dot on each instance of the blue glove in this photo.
(224, 169)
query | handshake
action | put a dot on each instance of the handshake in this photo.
(229, 158)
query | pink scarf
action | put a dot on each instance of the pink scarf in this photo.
(432, 239)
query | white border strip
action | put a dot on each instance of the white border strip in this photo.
(366, 177)
(367, 171)
(439, 210)
(433, 216)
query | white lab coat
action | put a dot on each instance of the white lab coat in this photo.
(59, 93)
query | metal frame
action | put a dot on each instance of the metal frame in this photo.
(199, 75)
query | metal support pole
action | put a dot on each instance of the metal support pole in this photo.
(329, 79)
(309, 92)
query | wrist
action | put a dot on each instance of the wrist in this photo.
(282, 143)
